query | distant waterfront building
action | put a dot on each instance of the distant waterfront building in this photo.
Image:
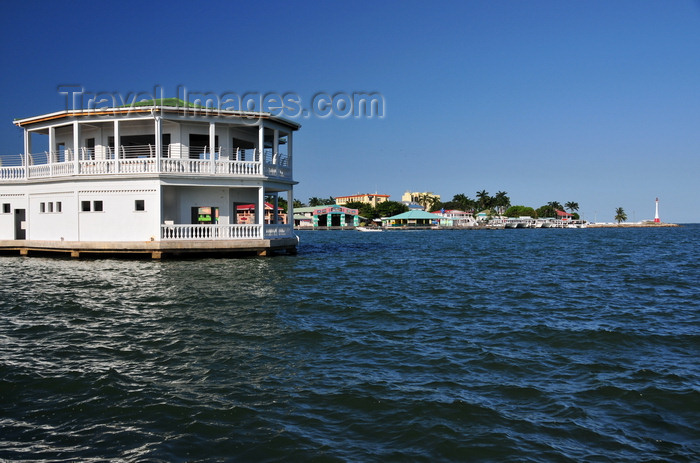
(415, 196)
(159, 178)
(455, 218)
(563, 215)
(411, 219)
(484, 215)
(331, 215)
(366, 198)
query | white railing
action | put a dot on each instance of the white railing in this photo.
(95, 167)
(12, 167)
(211, 232)
(272, 170)
(279, 231)
(142, 160)
(63, 169)
(137, 166)
(186, 166)
(12, 173)
(237, 167)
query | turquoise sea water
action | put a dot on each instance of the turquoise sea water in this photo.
(503, 345)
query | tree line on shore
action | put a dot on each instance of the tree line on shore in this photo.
(496, 205)
(499, 204)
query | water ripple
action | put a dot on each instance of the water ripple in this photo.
(532, 345)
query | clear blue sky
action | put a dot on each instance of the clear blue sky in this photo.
(590, 101)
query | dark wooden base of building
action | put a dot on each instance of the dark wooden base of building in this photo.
(152, 249)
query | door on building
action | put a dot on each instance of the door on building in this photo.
(20, 224)
(89, 149)
(205, 215)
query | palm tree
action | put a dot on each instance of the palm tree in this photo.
(464, 202)
(620, 215)
(556, 205)
(424, 200)
(572, 206)
(460, 199)
(427, 200)
(431, 203)
(484, 199)
(501, 201)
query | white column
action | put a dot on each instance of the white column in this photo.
(116, 145)
(289, 154)
(260, 212)
(212, 146)
(275, 146)
(52, 144)
(27, 151)
(275, 213)
(159, 141)
(261, 141)
(290, 207)
(52, 141)
(76, 146)
(27, 143)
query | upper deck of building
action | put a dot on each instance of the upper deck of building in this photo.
(152, 140)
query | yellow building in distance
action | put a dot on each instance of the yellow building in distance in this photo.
(366, 198)
(418, 197)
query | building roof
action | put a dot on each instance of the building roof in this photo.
(563, 214)
(165, 106)
(304, 209)
(171, 102)
(312, 209)
(412, 215)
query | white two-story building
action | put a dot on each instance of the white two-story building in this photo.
(160, 179)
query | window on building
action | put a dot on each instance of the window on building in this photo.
(97, 206)
(6, 208)
(85, 206)
(42, 207)
(89, 148)
(50, 207)
(58, 206)
(139, 205)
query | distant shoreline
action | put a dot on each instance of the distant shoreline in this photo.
(632, 225)
(486, 227)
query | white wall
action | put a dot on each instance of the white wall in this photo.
(52, 225)
(119, 221)
(9, 195)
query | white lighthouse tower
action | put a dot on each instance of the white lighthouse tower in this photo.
(656, 216)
